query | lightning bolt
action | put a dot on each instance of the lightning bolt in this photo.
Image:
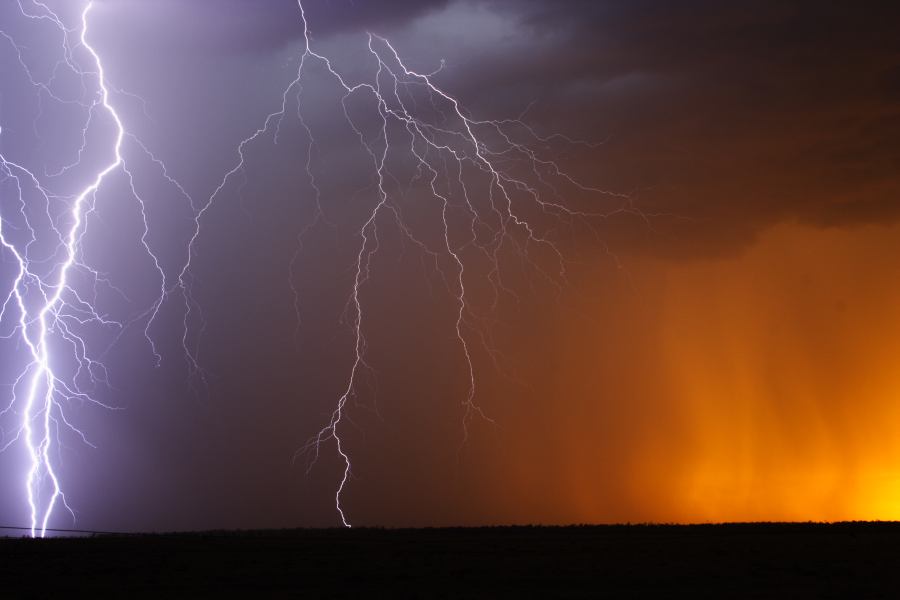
(448, 145)
(48, 307)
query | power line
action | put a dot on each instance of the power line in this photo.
(82, 531)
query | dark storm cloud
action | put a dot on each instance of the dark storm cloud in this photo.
(740, 115)
(733, 114)
(252, 26)
(348, 15)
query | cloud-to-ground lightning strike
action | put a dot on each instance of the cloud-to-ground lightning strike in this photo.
(50, 303)
(446, 144)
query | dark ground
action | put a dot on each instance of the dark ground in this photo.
(847, 560)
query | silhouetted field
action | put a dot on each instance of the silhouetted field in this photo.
(846, 560)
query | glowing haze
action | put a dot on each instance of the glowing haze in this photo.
(446, 262)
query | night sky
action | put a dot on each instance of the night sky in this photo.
(721, 345)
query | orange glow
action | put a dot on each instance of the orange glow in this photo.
(763, 386)
(784, 367)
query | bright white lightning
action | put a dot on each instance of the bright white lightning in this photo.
(41, 405)
(49, 313)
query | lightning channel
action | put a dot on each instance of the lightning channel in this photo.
(51, 302)
(516, 192)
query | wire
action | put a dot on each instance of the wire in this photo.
(83, 531)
